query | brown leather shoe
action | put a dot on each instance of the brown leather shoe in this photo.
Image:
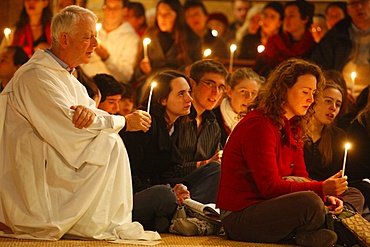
(318, 238)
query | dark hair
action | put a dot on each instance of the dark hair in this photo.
(107, 85)
(20, 57)
(139, 11)
(341, 5)
(161, 92)
(272, 97)
(218, 16)
(201, 67)
(193, 4)
(180, 29)
(306, 10)
(277, 7)
(47, 14)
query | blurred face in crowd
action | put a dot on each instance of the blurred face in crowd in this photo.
(300, 96)
(293, 22)
(135, 22)
(208, 91)
(35, 7)
(240, 10)
(166, 17)
(7, 67)
(64, 3)
(126, 106)
(333, 15)
(242, 94)
(359, 11)
(318, 28)
(110, 104)
(327, 109)
(178, 102)
(255, 23)
(217, 25)
(271, 22)
(113, 13)
(196, 19)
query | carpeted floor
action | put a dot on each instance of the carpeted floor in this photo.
(167, 240)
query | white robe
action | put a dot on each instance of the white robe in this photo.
(56, 179)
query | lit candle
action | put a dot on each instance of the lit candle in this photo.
(146, 42)
(150, 94)
(346, 147)
(207, 52)
(98, 26)
(232, 50)
(260, 48)
(7, 32)
(353, 77)
(214, 33)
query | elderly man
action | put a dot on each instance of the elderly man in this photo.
(64, 168)
(346, 46)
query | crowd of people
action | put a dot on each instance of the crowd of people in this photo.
(89, 143)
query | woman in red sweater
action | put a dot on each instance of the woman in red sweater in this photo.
(257, 201)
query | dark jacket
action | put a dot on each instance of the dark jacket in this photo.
(334, 49)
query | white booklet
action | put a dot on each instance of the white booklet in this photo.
(209, 211)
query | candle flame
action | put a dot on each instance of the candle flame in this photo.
(260, 48)
(233, 47)
(7, 31)
(207, 52)
(98, 26)
(147, 41)
(154, 84)
(353, 75)
(347, 146)
(214, 33)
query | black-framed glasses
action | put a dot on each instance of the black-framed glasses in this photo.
(213, 85)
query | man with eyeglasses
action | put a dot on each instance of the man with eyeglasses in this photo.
(346, 47)
(199, 139)
(118, 45)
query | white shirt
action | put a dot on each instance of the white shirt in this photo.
(56, 179)
(122, 45)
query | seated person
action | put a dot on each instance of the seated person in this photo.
(324, 145)
(242, 87)
(153, 156)
(110, 91)
(267, 146)
(11, 59)
(196, 16)
(199, 139)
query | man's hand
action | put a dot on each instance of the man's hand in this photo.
(83, 116)
(335, 185)
(138, 120)
(335, 205)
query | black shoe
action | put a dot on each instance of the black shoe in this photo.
(318, 238)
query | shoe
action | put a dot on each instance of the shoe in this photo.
(318, 238)
(162, 224)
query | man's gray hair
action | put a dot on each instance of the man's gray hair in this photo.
(67, 19)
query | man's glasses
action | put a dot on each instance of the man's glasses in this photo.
(212, 85)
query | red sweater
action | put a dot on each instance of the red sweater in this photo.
(255, 159)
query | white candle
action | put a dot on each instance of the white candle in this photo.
(207, 52)
(7, 32)
(146, 42)
(346, 147)
(150, 95)
(232, 50)
(98, 26)
(353, 77)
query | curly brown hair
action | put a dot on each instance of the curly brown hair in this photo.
(272, 97)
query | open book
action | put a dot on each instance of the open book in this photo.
(205, 211)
